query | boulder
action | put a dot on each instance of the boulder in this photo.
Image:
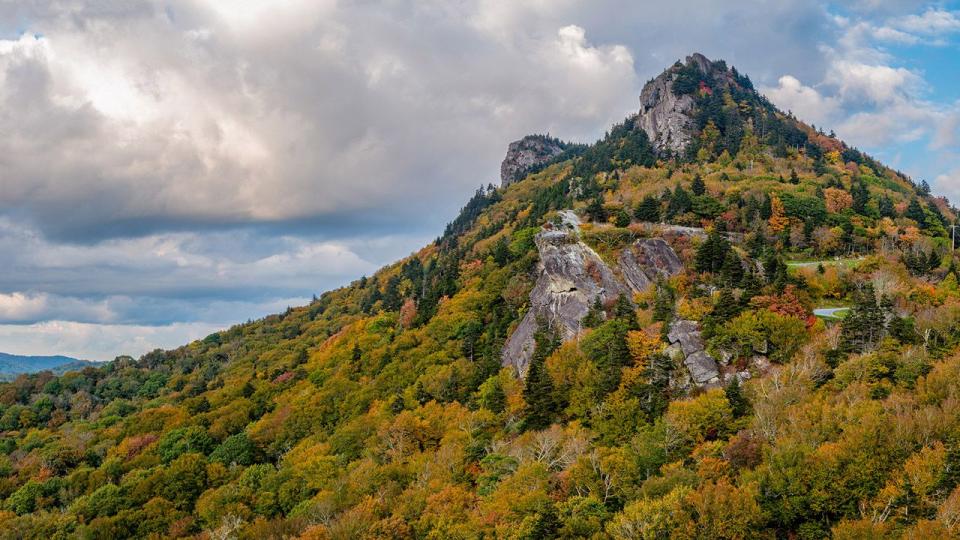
(703, 370)
(702, 367)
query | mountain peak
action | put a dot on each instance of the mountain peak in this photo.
(667, 103)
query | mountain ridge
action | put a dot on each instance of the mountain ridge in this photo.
(673, 378)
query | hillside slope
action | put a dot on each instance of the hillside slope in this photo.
(619, 344)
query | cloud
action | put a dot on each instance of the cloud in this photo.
(933, 21)
(199, 162)
(806, 102)
(199, 114)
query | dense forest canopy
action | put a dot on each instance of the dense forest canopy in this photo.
(383, 410)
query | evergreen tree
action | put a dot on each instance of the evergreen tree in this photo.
(794, 179)
(724, 309)
(663, 303)
(863, 327)
(624, 311)
(712, 253)
(861, 196)
(595, 315)
(739, 404)
(698, 187)
(916, 213)
(732, 269)
(680, 203)
(886, 207)
(595, 210)
(648, 210)
(923, 189)
(538, 391)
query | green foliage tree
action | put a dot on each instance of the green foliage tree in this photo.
(538, 390)
(648, 210)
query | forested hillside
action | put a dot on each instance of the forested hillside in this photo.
(822, 283)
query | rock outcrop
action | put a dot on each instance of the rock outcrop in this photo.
(647, 260)
(527, 153)
(685, 336)
(666, 116)
(571, 277)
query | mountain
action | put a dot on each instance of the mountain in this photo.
(714, 322)
(12, 365)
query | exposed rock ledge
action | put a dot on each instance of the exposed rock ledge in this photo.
(525, 154)
(685, 339)
(572, 276)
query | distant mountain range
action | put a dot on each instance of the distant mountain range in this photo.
(12, 365)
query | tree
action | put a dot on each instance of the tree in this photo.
(595, 210)
(863, 327)
(732, 269)
(648, 210)
(916, 213)
(739, 403)
(663, 303)
(886, 207)
(680, 203)
(236, 449)
(794, 179)
(538, 390)
(697, 186)
(778, 221)
(837, 200)
(712, 253)
(595, 315)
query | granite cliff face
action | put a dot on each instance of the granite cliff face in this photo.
(525, 154)
(647, 260)
(572, 276)
(666, 115)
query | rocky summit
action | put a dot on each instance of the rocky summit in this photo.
(526, 154)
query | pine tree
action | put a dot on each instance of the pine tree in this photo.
(595, 315)
(794, 179)
(861, 196)
(648, 210)
(712, 253)
(863, 327)
(886, 207)
(663, 303)
(916, 213)
(732, 269)
(680, 203)
(595, 210)
(739, 404)
(538, 391)
(624, 311)
(698, 187)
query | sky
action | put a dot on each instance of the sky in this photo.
(170, 168)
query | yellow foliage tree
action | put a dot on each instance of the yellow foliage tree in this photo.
(778, 220)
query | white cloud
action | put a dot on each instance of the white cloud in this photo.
(877, 83)
(932, 21)
(806, 102)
